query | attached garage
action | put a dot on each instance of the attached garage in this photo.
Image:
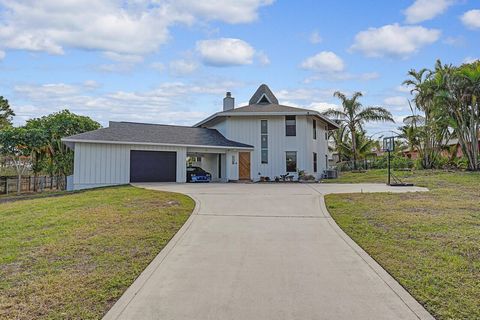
(153, 166)
(128, 152)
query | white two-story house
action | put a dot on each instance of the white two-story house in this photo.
(262, 139)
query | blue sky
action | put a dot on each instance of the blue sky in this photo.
(171, 61)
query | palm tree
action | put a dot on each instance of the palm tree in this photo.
(433, 129)
(354, 116)
(459, 90)
(363, 143)
(337, 137)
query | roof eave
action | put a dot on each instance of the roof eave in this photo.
(332, 125)
(66, 140)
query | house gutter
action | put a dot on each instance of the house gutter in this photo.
(69, 141)
(233, 114)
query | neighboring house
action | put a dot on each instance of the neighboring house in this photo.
(453, 145)
(262, 139)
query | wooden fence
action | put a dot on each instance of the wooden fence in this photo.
(31, 184)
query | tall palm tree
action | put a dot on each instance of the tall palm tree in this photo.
(459, 90)
(431, 132)
(354, 116)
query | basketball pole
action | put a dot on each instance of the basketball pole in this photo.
(388, 183)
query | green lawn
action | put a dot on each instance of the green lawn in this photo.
(72, 256)
(430, 242)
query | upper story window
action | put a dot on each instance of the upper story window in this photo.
(264, 140)
(290, 126)
(314, 129)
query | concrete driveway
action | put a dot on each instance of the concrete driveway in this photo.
(265, 251)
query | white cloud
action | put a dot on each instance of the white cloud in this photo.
(182, 67)
(309, 98)
(343, 76)
(122, 27)
(422, 10)
(125, 58)
(326, 65)
(403, 88)
(169, 103)
(230, 11)
(319, 106)
(471, 19)
(396, 103)
(369, 76)
(454, 41)
(115, 67)
(157, 66)
(225, 52)
(324, 62)
(470, 60)
(304, 94)
(91, 84)
(315, 38)
(262, 58)
(394, 40)
(98, 25)
(323, 106)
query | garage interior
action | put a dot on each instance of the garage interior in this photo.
(214, 163)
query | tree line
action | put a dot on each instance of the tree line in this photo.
(444, 106)
(36, 147)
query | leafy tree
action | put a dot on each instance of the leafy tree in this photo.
(57, 126)
(354, 116)
(18, 145)
(6, 113)
(364, 146)
(458, 89)
(336, 138)
(432, 126)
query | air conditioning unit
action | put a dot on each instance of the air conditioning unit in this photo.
(330, 174)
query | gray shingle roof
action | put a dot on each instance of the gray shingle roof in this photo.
(258, 107)
(157, 134)
(263, 90)
(262, 109)
(271, 107)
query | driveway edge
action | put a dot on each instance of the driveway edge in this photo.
(117, 309)
(396, 287)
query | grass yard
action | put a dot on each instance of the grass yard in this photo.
(430, 242)
(72, 256)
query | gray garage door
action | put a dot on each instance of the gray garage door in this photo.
(153, 166)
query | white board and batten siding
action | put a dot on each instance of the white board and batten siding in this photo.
(100, 164)
(247, 130)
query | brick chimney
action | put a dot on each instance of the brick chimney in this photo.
(228, 102)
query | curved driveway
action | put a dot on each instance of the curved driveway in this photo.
(265, 251)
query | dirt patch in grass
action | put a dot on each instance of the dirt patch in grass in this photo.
(428, 241)
(71, 257)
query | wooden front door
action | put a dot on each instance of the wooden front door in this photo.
(244, 165)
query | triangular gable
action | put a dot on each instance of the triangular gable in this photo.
(263, 95)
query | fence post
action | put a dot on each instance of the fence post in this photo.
(6, 185)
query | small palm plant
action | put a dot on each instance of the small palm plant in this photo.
(354, 116)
